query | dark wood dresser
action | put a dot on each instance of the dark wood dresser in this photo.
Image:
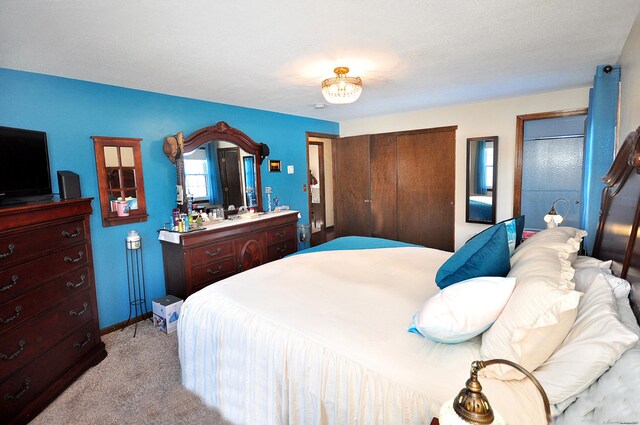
(199, 258)
(49, 330)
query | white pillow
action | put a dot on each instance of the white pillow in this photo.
(584, 276)
(566, 240)
(596, 341)
(532, 325)
(583, 261)
(539, 313)
(463, 310)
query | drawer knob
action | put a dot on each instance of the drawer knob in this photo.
(21, 345)
(75, 285)
(11, 247)
(283, 249)
(85, 306)
(214, 272)
(25, 388)
(71, 235)
(14, 281)
(216, 252)
(281, 235)
(4, 321)
(74, 260)
(87, 339)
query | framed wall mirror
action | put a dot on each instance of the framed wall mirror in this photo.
(120, 182)
(220, 167)
(482, 179)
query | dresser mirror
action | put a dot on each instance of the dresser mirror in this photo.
(218, 166)
(482, 179)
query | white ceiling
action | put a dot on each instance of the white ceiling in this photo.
(273, 55)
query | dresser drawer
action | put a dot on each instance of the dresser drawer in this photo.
(281, 234)
(33, 243)
(213, 272)
(19, 279)
(281, 249)
(22, 308)
(25, 385)
(211, 253)
(22, 344)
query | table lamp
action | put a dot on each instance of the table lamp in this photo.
(554, 219)
(472, 407)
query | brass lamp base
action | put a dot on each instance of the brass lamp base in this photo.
(472, 405)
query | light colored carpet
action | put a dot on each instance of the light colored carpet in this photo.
(138, 383)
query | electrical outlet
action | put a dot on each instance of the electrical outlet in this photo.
(289, 169)
(267, 189)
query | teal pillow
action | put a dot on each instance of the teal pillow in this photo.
(486, 254)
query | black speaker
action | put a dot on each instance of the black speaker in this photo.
(69, 185)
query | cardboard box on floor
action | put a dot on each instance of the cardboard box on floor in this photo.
(166, 311)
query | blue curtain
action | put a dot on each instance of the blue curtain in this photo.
(481, 169)
(215, 186)
(250, 179)
(599, 145)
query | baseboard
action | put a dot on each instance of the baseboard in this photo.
(122, 324)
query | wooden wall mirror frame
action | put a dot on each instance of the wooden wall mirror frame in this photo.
(119, 169)
(482, 188)
(222, 131)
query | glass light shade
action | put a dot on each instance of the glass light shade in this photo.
(448, 416)
(553, 220)
(342, 89)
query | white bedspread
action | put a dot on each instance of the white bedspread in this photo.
(321, 338)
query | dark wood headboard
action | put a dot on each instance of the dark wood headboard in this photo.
(620, 215)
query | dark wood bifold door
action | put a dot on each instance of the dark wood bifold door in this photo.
(398, 186)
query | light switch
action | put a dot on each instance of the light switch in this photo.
(289, 169)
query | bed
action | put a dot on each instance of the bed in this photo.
(322, 337)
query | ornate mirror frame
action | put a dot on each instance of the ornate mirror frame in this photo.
(222, 131)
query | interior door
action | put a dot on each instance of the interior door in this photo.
(229, 163)
(426, 188)
(351, 190)
(384, 209)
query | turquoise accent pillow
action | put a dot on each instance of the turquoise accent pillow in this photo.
(486, 254)
(510, 226)
(519, 229)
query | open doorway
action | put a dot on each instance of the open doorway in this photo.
(320, 186)
(550, 167)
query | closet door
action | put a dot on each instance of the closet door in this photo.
(384, 211)
(426, 187)
(351, 191)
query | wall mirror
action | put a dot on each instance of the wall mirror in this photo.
(482, 179)
(120, 181)
(220, 166)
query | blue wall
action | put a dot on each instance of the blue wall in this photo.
(71, 111)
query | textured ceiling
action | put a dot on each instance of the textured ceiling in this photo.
(272, 55)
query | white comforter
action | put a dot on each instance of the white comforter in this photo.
(321, 338)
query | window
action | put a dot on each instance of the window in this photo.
(196, 175)
(488, 158)
(119, 168)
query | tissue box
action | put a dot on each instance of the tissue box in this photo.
(166, 311)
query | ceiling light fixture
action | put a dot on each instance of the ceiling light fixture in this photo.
(342, 89)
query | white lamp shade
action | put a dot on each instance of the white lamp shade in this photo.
(553, 220)
(448, 416)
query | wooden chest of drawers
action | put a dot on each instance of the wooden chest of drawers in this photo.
(207, 256)
(49, 330)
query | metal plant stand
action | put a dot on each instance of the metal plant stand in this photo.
(135, 280)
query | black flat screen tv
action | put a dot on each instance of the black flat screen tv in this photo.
(24, 166)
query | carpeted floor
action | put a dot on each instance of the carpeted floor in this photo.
(138, 383)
